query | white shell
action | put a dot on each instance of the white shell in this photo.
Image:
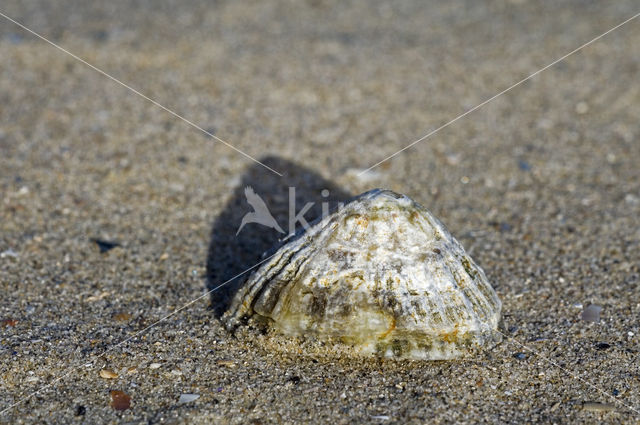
(381, 275)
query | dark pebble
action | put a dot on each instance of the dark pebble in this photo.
(294, 379)
(520, 356)
(81, 410)
(105, 246)
(15, 38)
(524, 165)
(100, 35)
(505, 227)
(602, 346)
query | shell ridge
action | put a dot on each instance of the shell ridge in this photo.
(433, 295)
(466, 299)
(480, 283)
(253, 285)
(261, 284)
(281, 290)
(259, 280)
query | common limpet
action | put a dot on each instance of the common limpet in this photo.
(381, 275)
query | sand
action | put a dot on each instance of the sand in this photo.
(541, 186)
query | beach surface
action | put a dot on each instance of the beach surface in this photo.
(117, 216)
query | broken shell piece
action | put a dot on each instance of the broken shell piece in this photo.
(381, 275)
(108, 374)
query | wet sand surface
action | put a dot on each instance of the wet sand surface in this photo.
(116, 214)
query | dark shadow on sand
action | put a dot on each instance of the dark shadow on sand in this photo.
(230, 255)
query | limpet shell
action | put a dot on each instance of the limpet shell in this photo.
(381, 275)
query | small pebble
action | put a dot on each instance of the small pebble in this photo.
(505, 227)
(226, 363)
(120, 400)
(98, 297)
(582, 108)
(108, 374)
(104, 246)
(14, 39)
(121, 317)
(602, 345)
(631, 199)
(9, 253)
(520, 356)
(154, 365)
(5, 323)
(592, 313)
(187, 398)
(294, 380)
(524, 165)
(453, 158)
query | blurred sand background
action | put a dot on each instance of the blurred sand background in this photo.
(541, 186)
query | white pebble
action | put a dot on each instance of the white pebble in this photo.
(582, 108)
(187, 398)
(592, 313)
(9, 253)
